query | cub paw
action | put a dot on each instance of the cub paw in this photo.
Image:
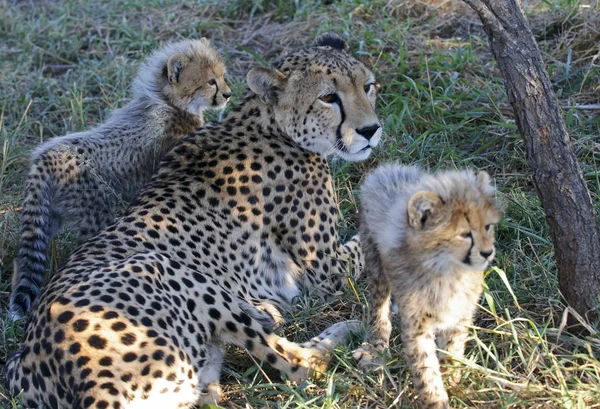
(439, 404)
(452, 375)
(433, 400)
(366, 356)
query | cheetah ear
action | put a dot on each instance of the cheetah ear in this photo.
(332, 40)
(205, 41)
(266, 83)
(483, 178)
(485, 183)
(175, 66)
(423, 209)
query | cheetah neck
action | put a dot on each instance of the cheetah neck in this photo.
(169, 124)
(251, 107)
(180, 123)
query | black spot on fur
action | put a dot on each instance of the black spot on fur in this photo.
(97, 342)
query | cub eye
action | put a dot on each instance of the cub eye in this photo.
(368, 87)
(466, 234)
(487, 227)
(329, 98)
(212, 82)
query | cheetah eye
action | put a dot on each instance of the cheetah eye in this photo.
(465, 234)
(487, 227)
(369, 87)
(212, 82)
(329, 98)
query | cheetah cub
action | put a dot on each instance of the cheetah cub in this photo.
(427, 239)
(84, 177)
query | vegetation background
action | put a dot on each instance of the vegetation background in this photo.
(65, 65)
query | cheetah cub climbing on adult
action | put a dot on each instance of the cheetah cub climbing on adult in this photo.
(82, 178)
(427, 240)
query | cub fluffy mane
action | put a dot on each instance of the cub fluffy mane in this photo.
(151, 75)
(386, 192)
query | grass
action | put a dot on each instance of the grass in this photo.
(67, 64)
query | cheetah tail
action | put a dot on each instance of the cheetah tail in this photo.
(15, 276)
(9, 373)
(35, 235)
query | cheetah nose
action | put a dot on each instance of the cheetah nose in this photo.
(486, 254)
(226, 95)
(368, 131)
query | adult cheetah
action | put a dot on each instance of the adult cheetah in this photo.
(240, 216)
(82, 178)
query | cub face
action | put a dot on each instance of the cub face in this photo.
(458, 230)
(196, 80)
(323, 98)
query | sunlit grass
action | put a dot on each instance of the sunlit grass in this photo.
(67, 64)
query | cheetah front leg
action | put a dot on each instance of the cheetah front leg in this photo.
(297, 361)
(351, 252)
(453, 341)
(266, 312)
(327, 273)
(420, 349)
(210, 387)
(379, 296)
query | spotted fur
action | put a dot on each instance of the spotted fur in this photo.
(239, 219)
(427, 240)
(81, 179)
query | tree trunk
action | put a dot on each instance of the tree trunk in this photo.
(557, 177)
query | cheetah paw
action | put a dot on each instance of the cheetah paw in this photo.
(443, 403)
(316, 353)
(212, 396)
(366, 356)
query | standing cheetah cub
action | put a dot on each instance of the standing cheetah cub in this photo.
(427, 240)
(82, 178)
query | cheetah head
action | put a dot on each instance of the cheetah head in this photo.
(194, 77)
(451, 221)
(323, 98)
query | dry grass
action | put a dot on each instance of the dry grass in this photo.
(67, 64)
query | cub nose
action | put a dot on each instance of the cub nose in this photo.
(226, 95)
(486, 254)
(368, 131)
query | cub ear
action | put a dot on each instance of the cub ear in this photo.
(485, 183)
(332, 40)
(205, 41)
(483, 178)
(175, 66)
(266, 83)
(423, 209)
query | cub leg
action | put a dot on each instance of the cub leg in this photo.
(420, 349)
(453, 341)
(379, 296)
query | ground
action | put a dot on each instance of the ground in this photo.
(67, 64)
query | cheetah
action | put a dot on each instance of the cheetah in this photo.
(240, 218)
(83, 178)
(426, 240)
